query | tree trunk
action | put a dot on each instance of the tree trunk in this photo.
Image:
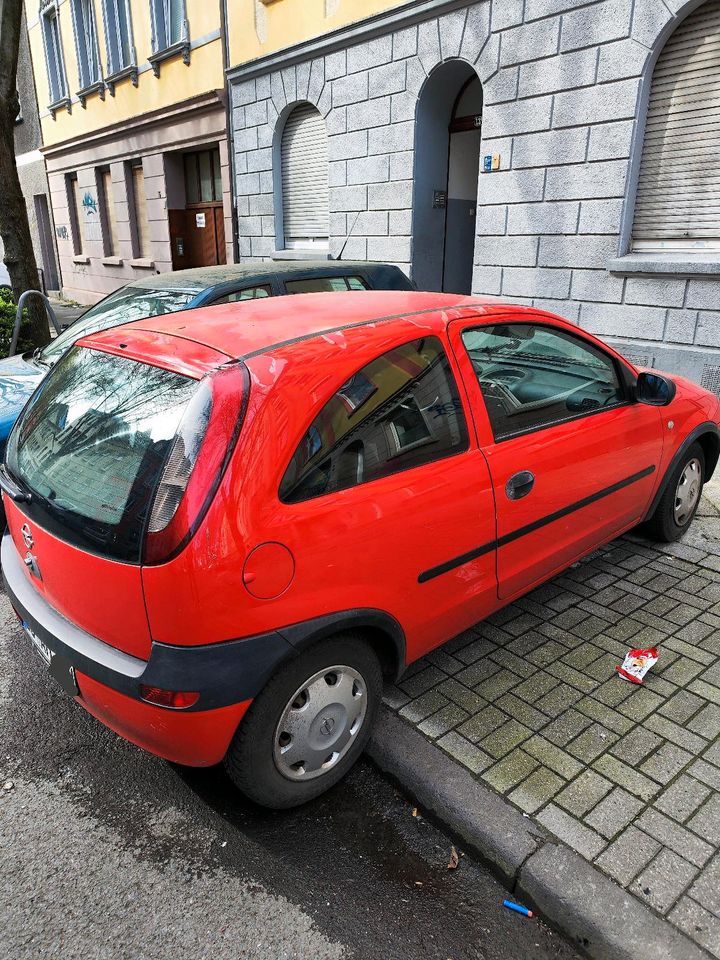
(14, 225)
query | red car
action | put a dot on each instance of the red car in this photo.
(226, 525)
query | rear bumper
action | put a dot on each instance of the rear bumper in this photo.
(226, 675)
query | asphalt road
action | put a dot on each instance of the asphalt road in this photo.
(106, 852)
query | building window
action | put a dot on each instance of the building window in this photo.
(57, 81)
(118, 38)
(203, 183)
(169, 23)
(86, 44)
(72, 194)
(677, 206)
(304, 178)
(139, 223)
(107, 212)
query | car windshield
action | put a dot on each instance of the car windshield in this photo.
(128, 303)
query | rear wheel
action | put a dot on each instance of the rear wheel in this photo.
(309, 725)
(678, 505)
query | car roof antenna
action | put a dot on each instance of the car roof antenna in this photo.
(342, 249)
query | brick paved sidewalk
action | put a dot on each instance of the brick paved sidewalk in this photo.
(627, 776)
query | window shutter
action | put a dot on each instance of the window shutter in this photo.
(305, 176)
(678, 195)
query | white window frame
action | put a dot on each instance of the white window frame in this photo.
(54, 59)
(113, 46)
(87, 48)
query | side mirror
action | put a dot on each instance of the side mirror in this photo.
(654, 390)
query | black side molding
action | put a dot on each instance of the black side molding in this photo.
(707, 428)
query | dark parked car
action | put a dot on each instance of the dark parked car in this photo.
(183, 290)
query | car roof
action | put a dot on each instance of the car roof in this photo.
(198, 279)
(249, 327)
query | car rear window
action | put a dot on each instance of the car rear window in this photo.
(91, 446)
(325, 284)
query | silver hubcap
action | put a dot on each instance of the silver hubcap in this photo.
(320, 723)
(687, 493)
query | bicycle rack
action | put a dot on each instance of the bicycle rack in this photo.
(18, 316)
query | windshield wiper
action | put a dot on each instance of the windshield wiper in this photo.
(37, 358)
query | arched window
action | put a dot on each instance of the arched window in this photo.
(678, 196)
(304, 170)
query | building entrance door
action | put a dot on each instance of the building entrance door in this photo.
(47, 245)
(197, 233)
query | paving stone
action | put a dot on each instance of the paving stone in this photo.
(698, 923)
(624, 629)
(578, 680)
(444, 661)
(540, 786)
(522, 711)
(614, 813)
(443, 721)
(536, 687)
(625, 776)
(483, 724)
(641, 704)
(694, 632)
(675, 733)
(613, 692)
(477, 673)
(423, 706)
(394, 697)
(459, 694)
(524, 645)
(682, 798)
(505, 738)
(604, 667)
(682, 671)
(571, 831)
(592, 742)
(567, 726)
(510, 771)
(706, 773)
(583, 656)
(664, 880)
(560, 699)
(706, 889)
(681, 707)
(553, 757)
(584, 793)
(677, 838)
(477, 648)
(548, 653)
(706, 822)
(497, 685)
(628, 854)
(635, 746)
(605, 715)
(518, 664)
(667, 761)
(422, 682)
(465, 752)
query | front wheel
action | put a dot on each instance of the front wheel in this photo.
(309, 725)
(678, 505)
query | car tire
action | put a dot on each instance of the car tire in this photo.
(309, 725)
(678, 504)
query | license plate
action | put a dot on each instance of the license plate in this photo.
(59, 666)
(40, 646)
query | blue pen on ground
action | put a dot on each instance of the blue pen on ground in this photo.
(517, 908)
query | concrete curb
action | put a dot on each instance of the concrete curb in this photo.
(605, 921)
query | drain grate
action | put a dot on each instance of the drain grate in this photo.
(711, 379)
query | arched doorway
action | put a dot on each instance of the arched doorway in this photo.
(447, 159)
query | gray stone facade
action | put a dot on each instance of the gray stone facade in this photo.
(564, 88)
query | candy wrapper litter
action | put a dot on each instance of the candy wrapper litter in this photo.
(637, 663)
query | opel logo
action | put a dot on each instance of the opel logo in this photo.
(327, 726)
(27, 536)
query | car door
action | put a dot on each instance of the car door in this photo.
(573, 458)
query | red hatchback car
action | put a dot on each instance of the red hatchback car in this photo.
(225, 526)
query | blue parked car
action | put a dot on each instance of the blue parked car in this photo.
(184, 290)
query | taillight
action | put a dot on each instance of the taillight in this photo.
(172, 699)
(196, 462)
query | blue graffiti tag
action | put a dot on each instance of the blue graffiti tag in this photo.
(90, 204)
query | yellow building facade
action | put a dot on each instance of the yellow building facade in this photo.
(132, 105)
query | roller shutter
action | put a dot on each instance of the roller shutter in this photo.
(678, 194)
(305, 177)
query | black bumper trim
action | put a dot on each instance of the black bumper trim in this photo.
(222, 673)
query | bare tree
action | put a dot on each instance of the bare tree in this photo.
(14, 225)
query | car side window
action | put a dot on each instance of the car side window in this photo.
(325, 284)
(247, 293)
(399, 411)
(533, 376)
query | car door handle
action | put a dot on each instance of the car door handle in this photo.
(519, 485)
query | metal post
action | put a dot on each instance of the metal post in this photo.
(18, 316)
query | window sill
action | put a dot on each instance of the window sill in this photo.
(297, 254)
(143, 263)
(181, 48)
(130, 71)
(98, 87)
(80, 258)
(654, 264)
(112, 261)
(64, 103)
